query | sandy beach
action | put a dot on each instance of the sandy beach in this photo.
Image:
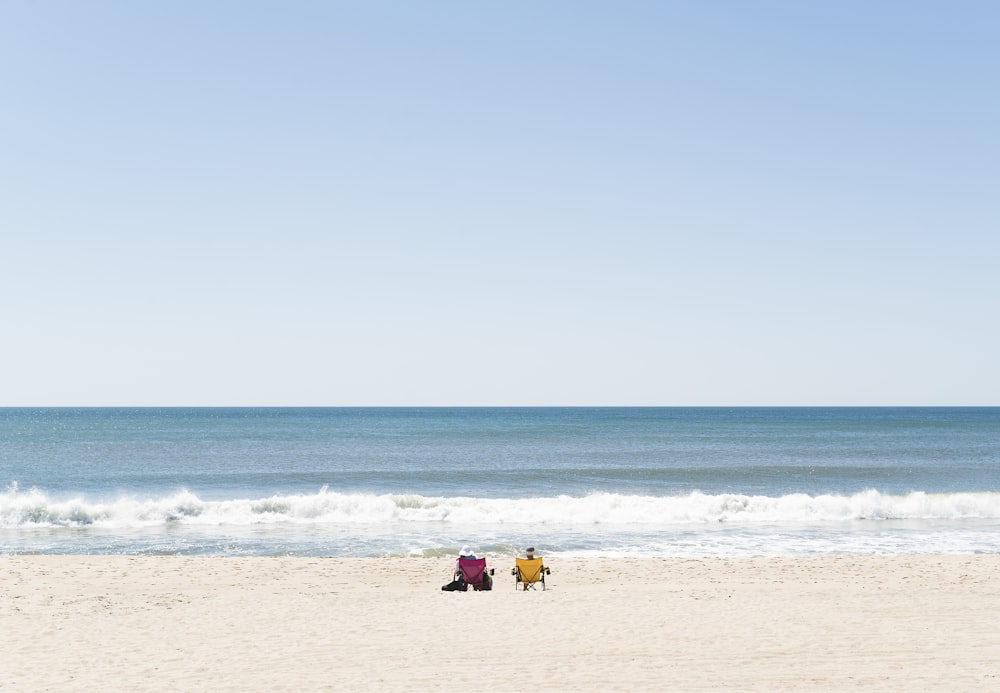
(926, 623)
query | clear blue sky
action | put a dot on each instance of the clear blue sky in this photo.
(455, 203)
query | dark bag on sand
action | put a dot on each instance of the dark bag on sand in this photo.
(455, 586)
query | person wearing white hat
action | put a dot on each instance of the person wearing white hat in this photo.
(466, 552)
(458, 583)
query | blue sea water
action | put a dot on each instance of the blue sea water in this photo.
(571, 481)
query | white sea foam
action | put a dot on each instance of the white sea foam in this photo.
(34, 507)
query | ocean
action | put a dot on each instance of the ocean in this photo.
(681, 482)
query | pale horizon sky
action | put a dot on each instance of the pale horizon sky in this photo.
(565, 203)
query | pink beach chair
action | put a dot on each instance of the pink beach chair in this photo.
(474, 573)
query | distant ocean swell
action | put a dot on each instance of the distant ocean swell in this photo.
(34, 507)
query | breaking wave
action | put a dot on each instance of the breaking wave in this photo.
(35, 507)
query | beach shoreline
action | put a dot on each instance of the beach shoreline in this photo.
(923, 622)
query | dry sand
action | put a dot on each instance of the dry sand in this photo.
(915, 623)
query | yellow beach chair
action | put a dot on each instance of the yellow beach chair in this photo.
(528, 572)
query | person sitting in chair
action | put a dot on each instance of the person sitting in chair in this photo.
(529, 570)
(459, 584)
(466, 552)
